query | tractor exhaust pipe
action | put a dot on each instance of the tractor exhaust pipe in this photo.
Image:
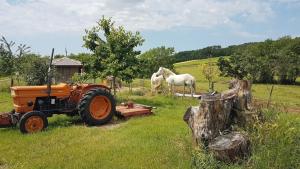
(49, 75)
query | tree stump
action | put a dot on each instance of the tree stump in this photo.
(231, 147)
(215, 115)
(210, 118)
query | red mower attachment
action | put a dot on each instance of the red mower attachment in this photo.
(130, 109)
(7, 119)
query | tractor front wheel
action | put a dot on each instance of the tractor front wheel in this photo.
(33, 122)
(97, 107)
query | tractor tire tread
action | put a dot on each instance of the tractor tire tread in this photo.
(83, 107)
(29, 114)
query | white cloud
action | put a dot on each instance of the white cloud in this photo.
(39, 16)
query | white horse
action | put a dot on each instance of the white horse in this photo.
(177, 80)
(156, 82)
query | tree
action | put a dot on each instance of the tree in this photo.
(210, 71)
(35, 69)
(114, 50)
(264, 62)
(151, 60)
(9, 64)
(231, 67)
(288, 63)
(90, 64)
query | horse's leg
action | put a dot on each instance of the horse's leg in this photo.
(192, 88)
(183, 90)
(170, 89)
(173, 88)
(157, 88)
(152, 89)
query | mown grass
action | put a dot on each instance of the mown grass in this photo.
(158, 141)
(162, 140)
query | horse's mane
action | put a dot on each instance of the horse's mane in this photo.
(168, 72)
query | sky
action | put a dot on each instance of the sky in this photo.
(182, 24)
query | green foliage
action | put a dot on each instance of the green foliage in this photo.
(207, 52)
(35, 69)
(276, 141)
(232, 67)
(115, 54)
(210, 71)
(90, 64)
(151, 60)
(265, 61)
(84, 58)
(80, 78)
(10, 56)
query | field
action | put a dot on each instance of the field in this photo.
(162, 140)
(285, 95)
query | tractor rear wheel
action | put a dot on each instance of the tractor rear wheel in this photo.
(33, 122)
(97, 107)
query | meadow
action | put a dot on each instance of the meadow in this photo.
(162, 140)
(284, 95)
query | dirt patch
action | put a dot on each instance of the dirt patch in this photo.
(113, 124)
(110, 126)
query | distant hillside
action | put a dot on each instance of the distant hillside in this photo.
(210, 51)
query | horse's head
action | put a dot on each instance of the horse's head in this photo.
(160, 71)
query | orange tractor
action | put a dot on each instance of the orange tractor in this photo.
(33, 104)
(94, 103)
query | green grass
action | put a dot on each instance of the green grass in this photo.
(162, 140)
(5, 102)
(158, 141)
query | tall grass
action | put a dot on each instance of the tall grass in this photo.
(275, 144)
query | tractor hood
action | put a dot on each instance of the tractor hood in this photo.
(22, 95)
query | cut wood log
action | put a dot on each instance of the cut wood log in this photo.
(231, 147)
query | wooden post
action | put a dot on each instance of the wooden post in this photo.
(270, 96)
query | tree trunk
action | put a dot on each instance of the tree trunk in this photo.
(230, 147)
(211, 117)
(216, 113)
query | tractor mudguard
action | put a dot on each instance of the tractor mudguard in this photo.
(91, 86)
